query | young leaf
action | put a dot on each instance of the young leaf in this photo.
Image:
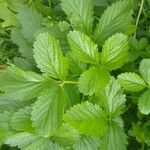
(144, 103)
(48, 56)
(30, 21)
(115, 138)
(145, 69)
(85, 114)
(87, 143)
(83, 47)
(112, 98)
(48, 110)
(21, 120)
(131, 82)
(93, 80)
(80, 14)
(21, 85)
(115, 51)
(116, 18)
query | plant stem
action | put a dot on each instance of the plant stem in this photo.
(68, 82)
(138, 18)
(49, 2)
(143, 146)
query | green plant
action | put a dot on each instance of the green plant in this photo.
(135, 83)
(70, 98)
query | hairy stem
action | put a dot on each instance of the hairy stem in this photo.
(138, 18)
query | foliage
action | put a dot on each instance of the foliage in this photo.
(70, 80)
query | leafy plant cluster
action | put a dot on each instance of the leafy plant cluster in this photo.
(79, 79)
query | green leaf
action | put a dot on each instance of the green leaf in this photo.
(7, 15)
(25, 48)
(48, 56)
(115, 138)
(2, 137)
(21, 120)
(115, 51)
(48, 110)
(87, 143)
(115, 19)
(43, 144)
(28, 141)
(80, 14)
(93, 80)
(138, 132)
(64, 26)
(66, 136)
(83, 47)
(87, 118)
(21, 85)
(21, 139)
(54, 30)
(72, 94)
(100, 2)
(131, 82)
(145, 69)
(9, 104)
(5, 121)
(134, 51)
(144, 103)
(112, 98)
(30, 21)
(141, 132)
(75, 66)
